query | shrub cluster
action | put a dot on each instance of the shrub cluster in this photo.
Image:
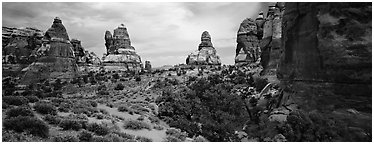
(27, 123)
(136, 125)
(15, 100)
(45, 108)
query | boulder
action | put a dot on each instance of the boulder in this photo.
(57, 59)
(206, 53)
(120, 54)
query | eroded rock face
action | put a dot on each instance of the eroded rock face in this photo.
(56, 59)
(20, 44)
(326, 55)
(247, 49)
(206, 53)
(120, 54)
(271, 41)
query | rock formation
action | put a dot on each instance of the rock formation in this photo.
(56, 59)
(206, 53)
(326, 60)
(82, 56)
(19, 44)
(120, 54)
(271, 41)
(247, 49)
(148, 66)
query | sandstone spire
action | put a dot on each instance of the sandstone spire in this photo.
(206, 53)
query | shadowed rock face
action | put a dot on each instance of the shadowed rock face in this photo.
(148, 66)
(206, 53)
(326, 55)
(120, 54)
(56, 57)
(82, 56)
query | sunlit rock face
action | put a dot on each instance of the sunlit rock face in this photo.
(247, 49)
(120, 54)
(326, 55)
(56, 56)
(206, 53)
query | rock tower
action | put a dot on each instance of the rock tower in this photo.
(206, 53)
(120, 54)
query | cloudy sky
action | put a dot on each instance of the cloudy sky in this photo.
(163, 33)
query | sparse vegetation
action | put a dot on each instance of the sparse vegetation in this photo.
(27, 124)
(45, 108)
(136, 125)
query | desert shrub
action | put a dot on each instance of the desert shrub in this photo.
(143, 139)
(138, 78)
(123, 108)
(27, 123)
(260, 83)
(64, 107)
(119, 86)
(19, 111)
(154, 119)
(314, 126)
(52, 119)
(110, 105)
(98, 129)
(11, 136)
(138, 109)
(158, 127)
(124, 135)
(115, 76)
(71, 124)
(15, 100)
(99, 139)
(215, 108)
(5, 105)
(93, 103)
(200, 139)
(140, 118)
(66, 138)
(85, 136)
(103, 111)
(45, 108)
(99, 116)
(175, 135)
(32, 99)
(112, 137)
(136, 125)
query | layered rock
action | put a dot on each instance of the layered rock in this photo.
(206, 53)
(120, 54)
(271, 41)
(19, 44)
(247, 49)
(57, 60)
(326, 57)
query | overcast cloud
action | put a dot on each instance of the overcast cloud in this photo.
(163, 33)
